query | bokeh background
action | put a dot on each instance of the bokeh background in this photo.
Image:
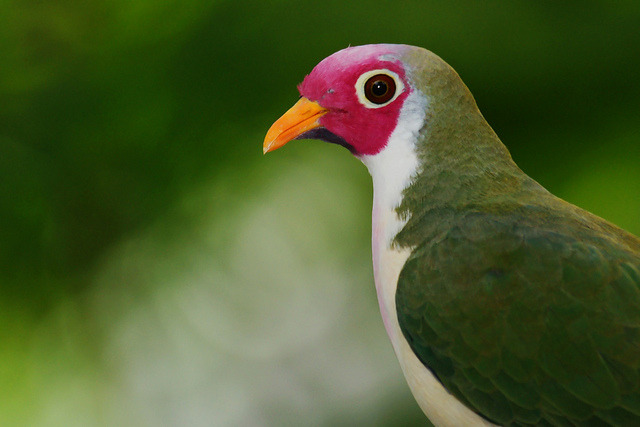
(157, 270)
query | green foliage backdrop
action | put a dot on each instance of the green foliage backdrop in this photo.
(156, 269)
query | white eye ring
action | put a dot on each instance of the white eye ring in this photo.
(364, 77)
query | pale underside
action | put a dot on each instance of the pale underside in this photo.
(391, 171)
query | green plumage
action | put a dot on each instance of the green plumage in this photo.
(525, 307)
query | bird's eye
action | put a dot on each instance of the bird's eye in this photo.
(380, 88)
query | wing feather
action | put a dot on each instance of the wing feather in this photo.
(529, 319)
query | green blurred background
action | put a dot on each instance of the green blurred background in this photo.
(156, 269)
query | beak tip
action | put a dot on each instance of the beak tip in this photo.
(303, 116)
(267, 145)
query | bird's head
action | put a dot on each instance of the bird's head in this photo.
(353, 98)
(401, 109)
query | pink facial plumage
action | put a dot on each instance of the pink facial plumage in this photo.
(332, 84)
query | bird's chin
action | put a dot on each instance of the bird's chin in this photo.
(326, 135)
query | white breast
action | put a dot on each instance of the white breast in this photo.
(392, 170)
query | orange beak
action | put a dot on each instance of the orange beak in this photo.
(302, 117)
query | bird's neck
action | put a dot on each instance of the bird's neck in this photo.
(437, 161)
(392, 171)
(463, 165)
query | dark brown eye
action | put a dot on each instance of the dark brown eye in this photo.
(380, 88)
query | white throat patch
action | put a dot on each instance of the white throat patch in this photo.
(392, 170)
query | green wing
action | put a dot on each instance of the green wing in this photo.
(530, 317)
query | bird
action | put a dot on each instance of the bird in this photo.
(504, 304)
